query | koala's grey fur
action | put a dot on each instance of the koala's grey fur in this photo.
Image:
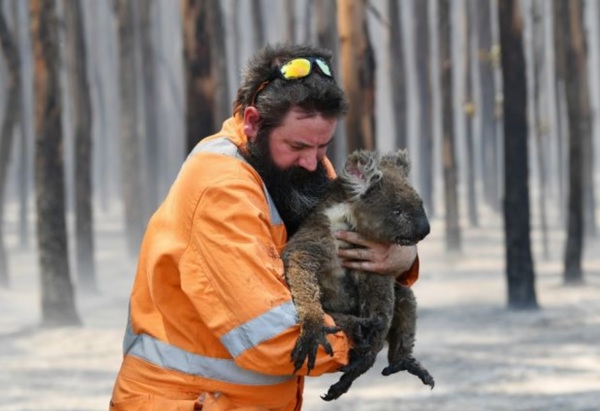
(373, 197)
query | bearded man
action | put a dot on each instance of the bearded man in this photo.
(211, 319)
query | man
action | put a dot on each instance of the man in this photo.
(211, 321)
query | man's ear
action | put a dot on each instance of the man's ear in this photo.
(251, 122)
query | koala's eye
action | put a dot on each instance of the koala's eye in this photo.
(397, 212)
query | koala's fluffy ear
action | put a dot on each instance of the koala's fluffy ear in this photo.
(398, 159)
(360, 172)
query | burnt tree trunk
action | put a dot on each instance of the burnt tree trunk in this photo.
(82, 115)
(11, 113)
(327, 37)
(358, 74)
(205, 73)
(290, 23)
(258, 25)
(469, 108)
(398, 74)
(426, 105)
(129, 138)
(57, 295)
(453, 234)
(571, 22)
(519, 263)
(154, 164)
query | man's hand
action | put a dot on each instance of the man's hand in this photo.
(376, 257)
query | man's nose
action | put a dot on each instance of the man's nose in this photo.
(308, 162)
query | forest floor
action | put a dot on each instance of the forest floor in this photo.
(483, 356)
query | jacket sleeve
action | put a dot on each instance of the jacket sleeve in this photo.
(233, 275)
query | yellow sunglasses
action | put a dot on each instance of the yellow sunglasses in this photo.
(295, 69)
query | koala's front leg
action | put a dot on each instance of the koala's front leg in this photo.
(301, 268)
(401, 337)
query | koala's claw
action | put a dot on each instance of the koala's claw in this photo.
(307, 345)
(412, 366)
(337, 389)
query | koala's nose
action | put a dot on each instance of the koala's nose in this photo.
(423, 227)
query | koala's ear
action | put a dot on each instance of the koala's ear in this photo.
(361, 171)
(398, 159)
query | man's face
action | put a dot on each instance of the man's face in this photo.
(301, 140)
(289, 160)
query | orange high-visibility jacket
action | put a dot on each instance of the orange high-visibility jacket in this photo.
(211, 319)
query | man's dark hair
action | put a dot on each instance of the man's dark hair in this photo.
(316, 93)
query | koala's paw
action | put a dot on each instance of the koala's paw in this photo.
(339, 388)
(308, 344)
(412, 366)
(359, 362)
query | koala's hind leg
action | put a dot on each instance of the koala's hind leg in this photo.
(360, 330)
(376, 301)
(401, 337)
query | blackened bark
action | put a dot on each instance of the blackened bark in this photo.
(153, 162)
(519, 263)
(208, 102)
(327, 36)
(82, 115)
(58, 303)
(453, 234)
(398, 74)
(129, 139)
(358, 74)
(575, 65)
(11, 113)
(258, 26)
(469, 108)
(426, 105)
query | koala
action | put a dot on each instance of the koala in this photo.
(373, 197)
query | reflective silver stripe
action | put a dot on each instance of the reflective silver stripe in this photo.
(259, 329)
(220, 145)
(170, 357)
(224, 146)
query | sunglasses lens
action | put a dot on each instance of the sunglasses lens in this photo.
(296, 68)
(323, 67)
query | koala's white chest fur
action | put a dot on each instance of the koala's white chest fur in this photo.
(340, 218)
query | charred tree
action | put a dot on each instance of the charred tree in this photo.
(290, 23)
(577, 102)
(11, 114)
(129, 134)
(327, 37)
(57, 295)
(153, 167)
(358, 74)
(398, 73)
(204, 65)
(469, 109)
(82, 115)
(258, 25)
(453, 234)
(519, 263)
(426, 105)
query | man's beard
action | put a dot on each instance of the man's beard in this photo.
(294, 190)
